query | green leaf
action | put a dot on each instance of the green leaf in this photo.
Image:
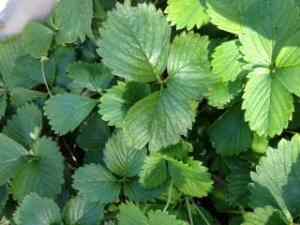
(230, 134)
(94, 77)
(73, 19)
(187, 14)
(121, 158)
(25, 126)
(93, 135)
(79, 211)
(281, 193)
(137, 193)
(269, 106)
(37, 40)
(11, 158)
(154, 172)
(132, 215)
(37, 210)
(4, 195)
(20, 96)
(226, 61)
(3, 105)
(96, 184)
(188, 66)
(192, 179)
(229, 15)
(117, 101)
(137, 57)
(159, 119)
(43, 173)
(66, 112)
(264, 216)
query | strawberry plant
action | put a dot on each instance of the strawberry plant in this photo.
(152, 112)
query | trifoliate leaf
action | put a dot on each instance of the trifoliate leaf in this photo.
(79, 211)
(121, 158)
(117, 101)
(187, 14)
(132, 215)
(25, 126)
(229, 15)
(11, 158)
(37, 210)
(73, 19)
(192, 179)
(42, 173)
(188, 66)
(137, 193)
(93, 135)
(154, 172)
(66, 112)
(226, 61)
(159, 119)
(277, 179)
(94, 77)
(264, 216)
(137, 57)
(97, 184)
(269, 106)
(28, 73)
(230, 134)
(37, 40)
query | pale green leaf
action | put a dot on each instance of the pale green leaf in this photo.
(131, 215)
(277, 179)
(66, 112)
(143, 35)
(96, 184)
(264, 216)
(117, 101)
(35, 210)
(187, 14)
(42, 173)
(269, 106)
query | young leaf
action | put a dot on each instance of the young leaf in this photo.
(269, 106)
(66, 112)
(121, 158)
(37, 210)
(281, 193)
(42, 174)
(192, 179)
(25, 126)
(117, 101)
(264, 216)
(187, 14)
(230, 134)
(137, 57)
(96, 184)
(73, 18)
(79, 211)
(11, 158)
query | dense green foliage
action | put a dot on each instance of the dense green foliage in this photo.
(153, 112)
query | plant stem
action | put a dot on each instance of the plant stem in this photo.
(201, 214)
(189, 210)
(169, 197)
(43, 59)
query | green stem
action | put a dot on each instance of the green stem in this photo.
(201, 214)
(43, 59)
(169, 197)
(189, 210)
